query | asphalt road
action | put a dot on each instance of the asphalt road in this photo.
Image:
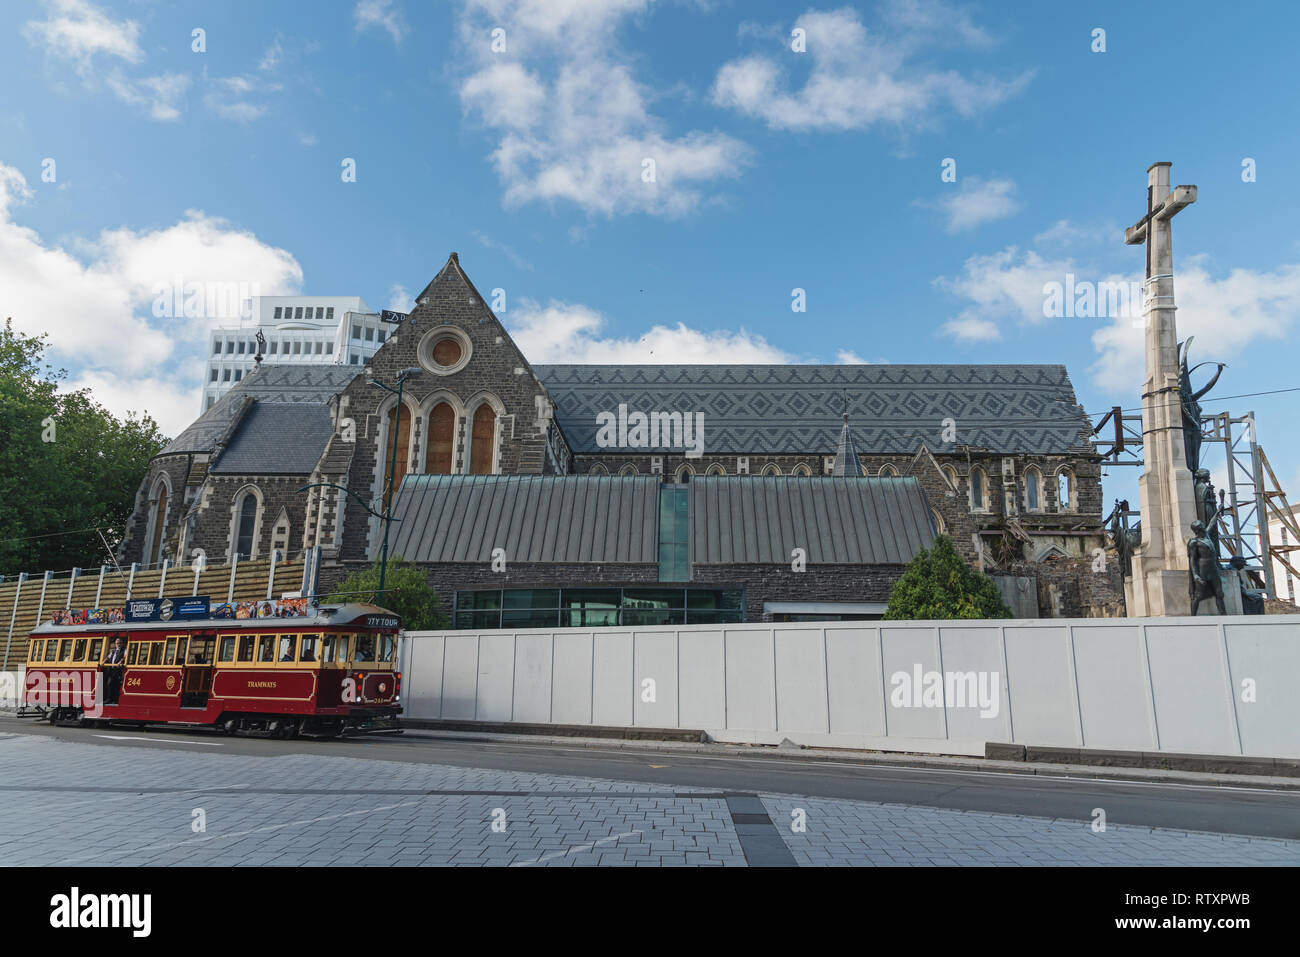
(1226, 809)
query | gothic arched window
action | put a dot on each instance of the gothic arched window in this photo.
(403, 448)
(159, 523)
(978, 490)
(483, 440)
(441, 441)
(1033, 490)
(1064, 491)
(246, 527)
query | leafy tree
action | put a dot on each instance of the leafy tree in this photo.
(67, 465)
(409, 594)
(938, 585)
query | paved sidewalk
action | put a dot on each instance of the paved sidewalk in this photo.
(171, 806)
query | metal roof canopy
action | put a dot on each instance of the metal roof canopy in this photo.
(615, 519)
(836, 520)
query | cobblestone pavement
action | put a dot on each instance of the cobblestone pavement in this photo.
(165, 806)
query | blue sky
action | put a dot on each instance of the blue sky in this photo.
(774, 170)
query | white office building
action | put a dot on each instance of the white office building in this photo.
(1285, 584)
(326, 330)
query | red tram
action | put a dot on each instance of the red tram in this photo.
(318, 675)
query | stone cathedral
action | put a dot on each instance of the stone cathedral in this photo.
(603, 494)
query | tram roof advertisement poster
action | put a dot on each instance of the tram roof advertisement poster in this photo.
(181, 609)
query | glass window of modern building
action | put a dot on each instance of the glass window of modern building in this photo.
(592, 607)
(674, 531)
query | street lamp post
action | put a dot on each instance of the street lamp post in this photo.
(387, 502)
(392, 468)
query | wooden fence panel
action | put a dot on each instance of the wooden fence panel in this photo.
(20, 603)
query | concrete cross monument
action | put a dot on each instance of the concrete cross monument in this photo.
(1158, 585)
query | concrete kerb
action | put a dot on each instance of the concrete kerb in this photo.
(885, 760)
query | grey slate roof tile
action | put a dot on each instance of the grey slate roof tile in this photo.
(277, 438)
(270, 383)
(791, 409)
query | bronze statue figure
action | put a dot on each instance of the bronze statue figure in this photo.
(1203, 578)
(1191, 404)
(1125, 539)
(1205, 507)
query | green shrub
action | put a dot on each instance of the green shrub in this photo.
(407, 593)
(938, 585)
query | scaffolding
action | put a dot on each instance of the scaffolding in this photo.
(1254, 500)
(1253, 497)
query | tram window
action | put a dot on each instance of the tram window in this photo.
(180, 650)
(227, 652)
(308, 650)
(95, 645)
(156, 653)
(131, 652)
(201, 651)
(35, 653)
(327, 643)
(170, 656)
(286, 647)
(51, 649)
(79, 650)
(245, 647)
(365, 648)
(265, 648)
(386, 645)
(343, 648)
(65, 649)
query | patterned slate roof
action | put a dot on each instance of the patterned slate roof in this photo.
(796, 409)
(277, 438)
(847, 463)
(270, 383)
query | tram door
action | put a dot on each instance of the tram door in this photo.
(196, 681)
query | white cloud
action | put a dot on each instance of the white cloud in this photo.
(968, 327)
(977, 201)
(1008, 287)
(173, 403)
(271, 56)
(229, 97)
(159, 93)
(1001, 285)
(856, 79)
(1065, 234)
(97, 305)
(572, 120)
(380, 14)
(1254, 304)
(78, 30)
(400, 298)
(937, 21)
(518, 261)
(571, 333)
